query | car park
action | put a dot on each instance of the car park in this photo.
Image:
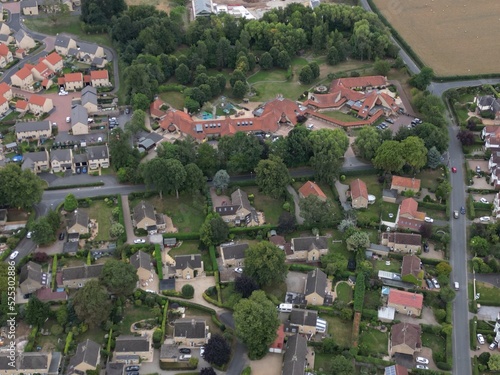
(484, 200)
(480, 339)
(140, 240)
(455, 214)
(429, 219)
(484, 218)
(14, 255)
(422, 360)
(422, 367)
(185, 350)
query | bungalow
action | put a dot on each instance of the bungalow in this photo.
(36, 161)
(405, 183)
(239, 211)
(99, 78)
(98, 157)
(63, 44)
(405, 339)
(79, 120)
(308, 249)
(33, 130)
(73, 81)
(143, 264)
(310, 188)
(233, 255)
(76, 277)
(359, 194)
(89, 99)
(5, 91)
(87, 357)
(30, 278)
(78, 222)
(188, 266)
(40, 104)
(402, 242)
(53, 61)
(405, 302)
(408, 215)
(202, 8)
(6, 55)
(133, 348)
(29, 7)
(411, 269)
(61, 160)
(23, 40)
(302, 321)
(295, 358)
(190, 332)
(23, 78)
(317, 287)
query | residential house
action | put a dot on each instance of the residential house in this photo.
(490, 131)
(33, 130)
(302, 321)
(202, 8)
(1, 12)
(233, 255)
(53, 61)
(61, 160)
(87, 357)
(36, 161)
(6, 367)
(396, 370)
(22, 106)
(144, 217)
(133, 347)
(7, 39)
(30, 278)
(73, 81)
(405, 339)
(405, 184)
(40, 104)
(76, 277)
(190, 332)
(281, 242)
(408, 216)
(295, 358)
(20, 53)
(4, 105)
(311, 188)
(496, 206)
(487, 103)
(23, 78)
(79, 160)
(63, 44)
(29, 7)
(78, 222)
(143, 264)
(239, 211)
(4, 28)
(405, 302)
(32, 363)
(71, 247)
(98, 157)
(308, 249)
(5, 55)
(317, 287)
(89, 99)
(23, 40)
(411, 269)
(113, 368)
(188, 266)
(402, 242)
(79, 120)
(41, 72)
(88, 52)
(168, 353)
(359, 194)
(6, 90)
(99, 78)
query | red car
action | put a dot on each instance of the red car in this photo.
(454, 170)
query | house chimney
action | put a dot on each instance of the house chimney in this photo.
(193, 322)
(317, 236)
(192, 256)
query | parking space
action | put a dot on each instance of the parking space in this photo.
(478, 165)
(484, 198)
(295, 282)
(400, 121)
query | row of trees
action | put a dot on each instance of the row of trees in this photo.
(19, 188)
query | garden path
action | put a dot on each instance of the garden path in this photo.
(292, 191)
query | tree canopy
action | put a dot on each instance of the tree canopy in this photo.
(217, 351)
(317, 213)
(272, 177)
(119, 278)
(329, 147)
(265, 263)
(19, 188)
(214, 230)
(92, 304)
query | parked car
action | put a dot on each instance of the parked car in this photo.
(422, 367)
(29, 234)
(480, 339)
(84, 169)
(14, 255)
(484, 200)
(78, 170)
(127, 110)
(484, 218)
(429, 283)
(133, 373)
(478, 169)
(238, 270)
(202, 351)
(68, 119)
(132, 368)
(61, 236)
(429, 219)
(455, 214)
(140, 240)
(493, 345)
(185, 351)
(422, 360)
(389, 120)
(310, 126)
(426, 248)
(436, 284)
(185, 357)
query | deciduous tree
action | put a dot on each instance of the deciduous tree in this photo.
(422, 79)
(116, 230)
(221, 180)
(389, 157)
(195, 181)
(466, 137)
(265, 263)
(443, 190)
(340, 365)
(217, 351)
(137, 122)
(43, 233)
(358, 241)
(19, 188)
(214, 230)
(367, 142)
(70, 203)
(245, 285)
(317, 213)
(286, 222)
(266, 61)
(206, 159)
(91, 304)
(415, 153)
(118, 277)
(329, 147)
(381, 67)
(272, 177)
(37, 312)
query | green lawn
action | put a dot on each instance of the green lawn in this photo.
(429, 178)
(436, 343)
(374, 342)
(340, 247)
(186, 212)
(268, 75)
(271, 207)
(102, 213)
(340, 116)
(65, 24)
(379, 265)
(372, 213)
(174, 98)
(229, 296)
(134, 314)
(322, 362)
(344, 292)
(187, 248)
(372, 299)
(339, 330)
(487, 292)
(387, 209)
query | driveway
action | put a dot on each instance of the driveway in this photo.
(269, 365)
(342, 190)
(295, 282)
(427, 317)
(350, 159)
(127, 218)
(200, 284)
(295, 197)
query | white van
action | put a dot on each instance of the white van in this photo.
(285, 307)
(457, 286)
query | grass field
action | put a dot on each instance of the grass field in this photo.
(187, 248)
(158, 4)
(271, 207)
(102, 213)
(344, 292)
(487, 292)
(339, 330)
(340, 116)
(174, 98)
(436, 343)
(373, 342)
(451, 33)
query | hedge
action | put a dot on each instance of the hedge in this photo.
(54, 271)
(373, 361)
(110, 339)
(176, 366)
(123, 238)
(368, 171)
(429, 261)
(301, 267)
(183, 236)
(434, 206)
(266, 228)
(449, 312)
(69, 339)
(193, 305)
(247, 371)
(74, 186)
(251, 182)
(473, 332)
(489, 302)
(211, 251)
(173, 293)
(159, 263)
(359, 292)
(213, 301)
(164, 318)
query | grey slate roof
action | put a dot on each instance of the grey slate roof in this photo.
(87, 47)
(374, 246)
(82, 272)
(4, 38)
(86, 352)
(155, 137)
(70, 247)
(168, 351)
(239, 197)
(89, 95)
(28, 4)
(303, 317)
(80, 158)
(234, 251)
(19, 35)
(141, 260)
(4, 363)
(316, 282)
(190, 328)
(294, 360)
(33, 361)
(55, 362)
(78, 216)
(36, 156)
(31, 271)
(62, 41)
(144, 210)
(202, 7)
(113, 368)
(32, 126)
(167, 284)
(127, 343)
(309, 243)
(79, 115)
(60, 155)
(184, 261)
(97, 152)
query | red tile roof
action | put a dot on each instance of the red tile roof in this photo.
(154, 108)
(280, 338)
(53, 58)
(310, 188)
(346, 124)
(358, 189)
(401, 370)
(46, 294)
(4, 50)
(411, 266)
(4, 88)
(406, 182)
(2, 100)
(73, 77)
(61, 81)
(412, 224)
(403, 238)
(408, 299)
(99, 74)
(86, 78)
(42, 68)
(410, 206)
(37, 100)
(21, 104)
(355, 82)
(23, 73)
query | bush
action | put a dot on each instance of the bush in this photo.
(359, 292)
(188, 291)
(301, 267)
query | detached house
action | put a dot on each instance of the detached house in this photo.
(23, 78)
(76, 277)
(240, 211)
(29, 7)
(87, 357)
(99, 78)
(23, 40)
(295, 358)
(32, 363)
(143, 264)
(61, 160)
(145, 217)
(79, 120)
(190, 332)
(4, 28)
(78, 222)
(233, 255)
(317, 287)
(5, 55)
(5, 91)
(302, 321)
(89, 99)
(63, 44)
(133, 349)
(53, 61)
(188, 266)
(405, 339)
(487, 103)
(405, 183)
(40, 104)
(408, 215)
(402, 242)
(359, 194)
(36, 161)
(33, 130)
(30, 278)
(308, 249)
(41, 72)
(98, 157)
(310, 188)
(73, 81)
(411, 269)
(405, 302)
